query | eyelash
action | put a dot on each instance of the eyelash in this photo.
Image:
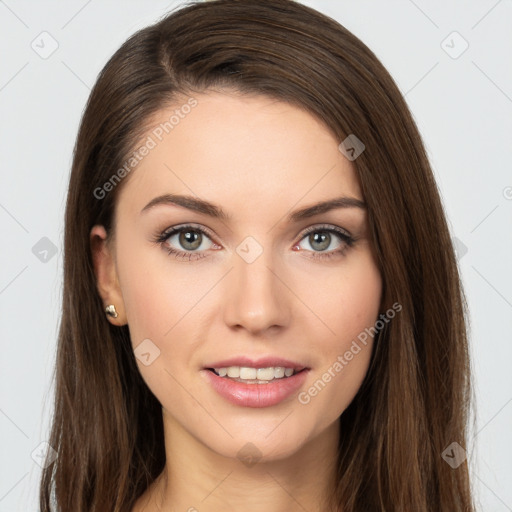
(161, 239)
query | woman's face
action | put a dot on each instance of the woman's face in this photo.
(269, 284)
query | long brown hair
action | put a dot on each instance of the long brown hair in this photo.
(415, 400)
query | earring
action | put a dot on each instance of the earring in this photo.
(110, 310)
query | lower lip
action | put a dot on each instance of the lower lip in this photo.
(256, 395)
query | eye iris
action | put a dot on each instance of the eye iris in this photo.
(190, 237)
(320, 236)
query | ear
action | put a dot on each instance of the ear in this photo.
(106, 274)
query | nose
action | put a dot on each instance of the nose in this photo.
(256, 297)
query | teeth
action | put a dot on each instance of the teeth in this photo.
(261, 374)
(279, 372)
(265, 373)
(248, 373)
(233, 371)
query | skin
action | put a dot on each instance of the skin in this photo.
(259, 159)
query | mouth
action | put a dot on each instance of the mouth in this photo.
(254, 375)
(263, 383)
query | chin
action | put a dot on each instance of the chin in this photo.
(263, 442)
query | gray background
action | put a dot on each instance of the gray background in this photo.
(461, 100)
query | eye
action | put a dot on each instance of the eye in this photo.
(192, 239)
(191, 242)
(320, 238)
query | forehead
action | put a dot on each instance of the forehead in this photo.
(248, 153)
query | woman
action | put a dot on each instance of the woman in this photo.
(261, 308)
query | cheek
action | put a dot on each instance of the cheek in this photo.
(348, 300)
(144, 303)
(357, 311)
(156, 307)
(161, 299)
(347, 348)
(154, 298)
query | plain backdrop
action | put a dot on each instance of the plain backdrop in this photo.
(451, 60)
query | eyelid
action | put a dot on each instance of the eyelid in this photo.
(179, 227)
(327, 227)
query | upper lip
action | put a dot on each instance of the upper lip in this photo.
(262, 362)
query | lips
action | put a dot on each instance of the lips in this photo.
(256, 393)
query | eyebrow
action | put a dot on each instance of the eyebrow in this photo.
(214, 211)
